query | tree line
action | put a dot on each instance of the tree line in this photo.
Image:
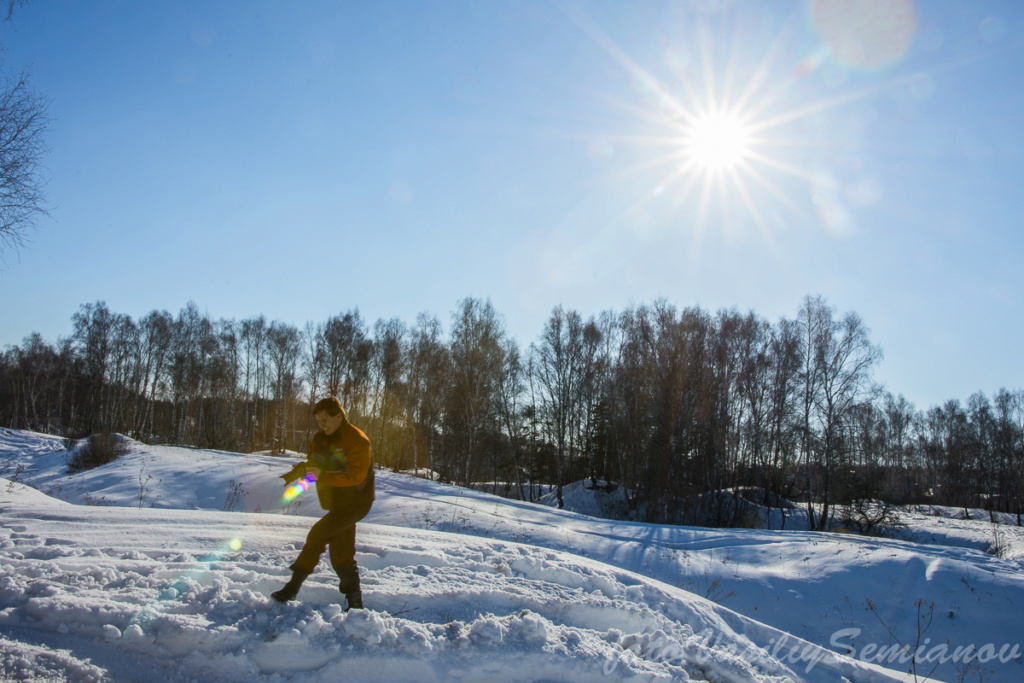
(674, 405)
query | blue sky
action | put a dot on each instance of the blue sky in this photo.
(408, 154)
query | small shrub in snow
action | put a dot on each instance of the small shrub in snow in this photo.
(98, 449)
(16, 478)
(998, 546)
(89, 499)
(868, 517)
(235, 496)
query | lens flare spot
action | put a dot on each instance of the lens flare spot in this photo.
(992, 29)
(599, 149)
(922, 86)
(235, 544)
(298, 488)
(866, 34)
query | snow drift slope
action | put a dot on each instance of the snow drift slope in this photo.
(134, 594)
(809, 585)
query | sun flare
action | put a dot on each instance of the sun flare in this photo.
(716, 142)
(740, 130)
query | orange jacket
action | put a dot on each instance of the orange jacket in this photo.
(346, 467)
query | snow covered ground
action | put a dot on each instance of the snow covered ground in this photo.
(160, 565)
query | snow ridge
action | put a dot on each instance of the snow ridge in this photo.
(458, 584)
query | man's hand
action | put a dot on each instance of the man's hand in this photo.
(315, 471)
(294, 473)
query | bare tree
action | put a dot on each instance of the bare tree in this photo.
(253, 348)
(125, 353)
(844, 358)
(982, 453)
(23, 122)
(34, 363)
(93, 324)
(511, 390)
(284, 345)
(11, 4)
(155, 335)
(427, 373)
(607, 333)
(1015, 416)
(387, 366)
(898, 457)
(347, 361)
(784, 354)
(476, 362)
(810, 322)
(561, 367)
(314, 355)
(632, 397)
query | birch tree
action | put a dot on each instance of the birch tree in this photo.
(476, 361)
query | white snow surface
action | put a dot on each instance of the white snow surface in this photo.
(160, 565)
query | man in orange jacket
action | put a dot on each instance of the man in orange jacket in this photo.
(340, 463)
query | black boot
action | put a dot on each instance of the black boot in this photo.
(291, 589)
(349, 585)
(355, 600)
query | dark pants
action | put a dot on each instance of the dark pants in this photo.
(337, 530)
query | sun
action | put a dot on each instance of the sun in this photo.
(716, 143)
(735, 134)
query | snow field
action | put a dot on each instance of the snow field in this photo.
(462, 581)
(166, 586)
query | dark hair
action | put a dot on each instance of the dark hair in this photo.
(329, 405)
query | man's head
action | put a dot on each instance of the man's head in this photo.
(329, 414)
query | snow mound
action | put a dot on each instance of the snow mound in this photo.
(18, 492)
(422, 473)
(187, 592)
(466, 585)
(601, 499)
(24, 662)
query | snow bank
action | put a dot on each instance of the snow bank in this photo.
(608, 501)
(460, 574)
(187, 593)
